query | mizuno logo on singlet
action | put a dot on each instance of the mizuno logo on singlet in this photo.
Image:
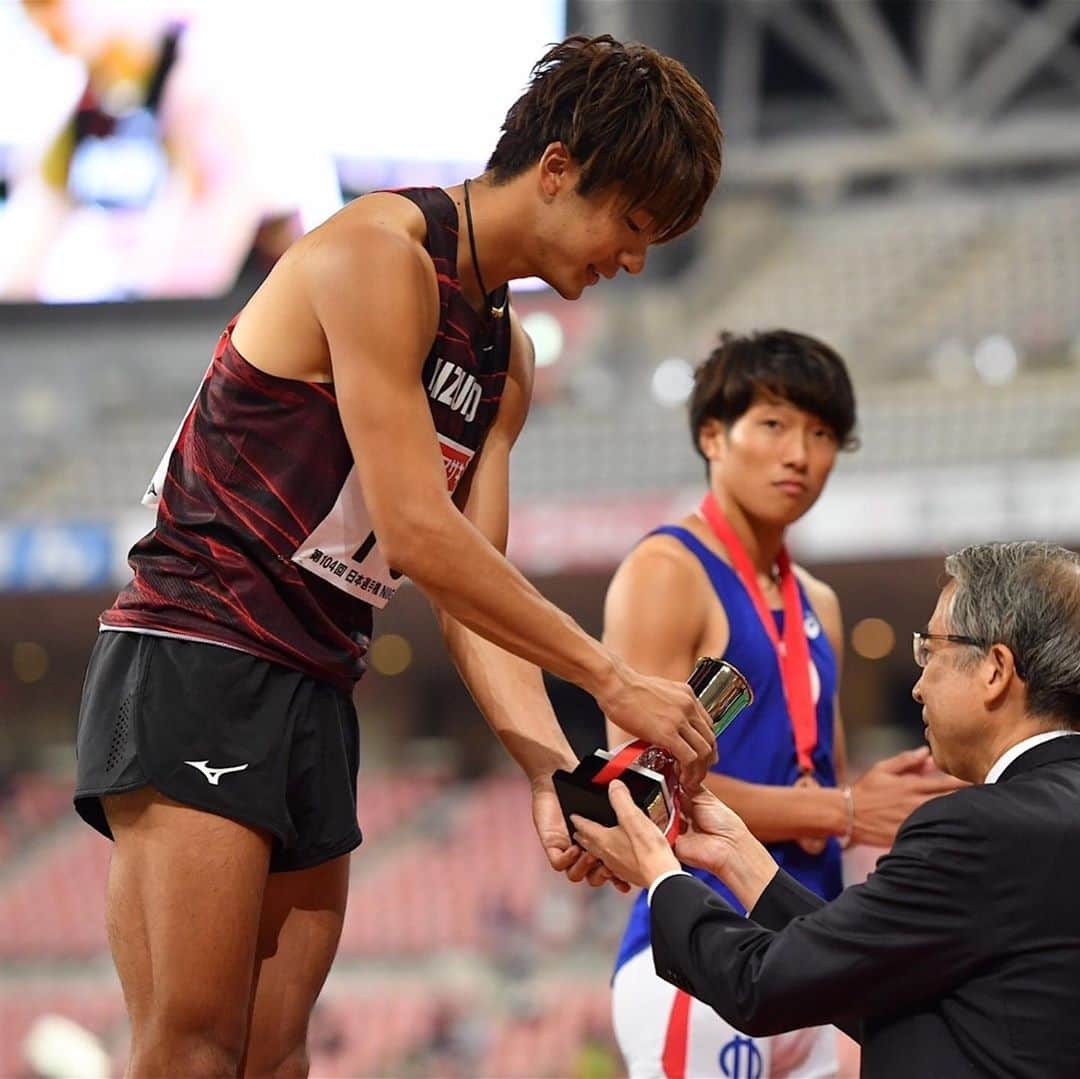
(213, 775)
(451, 385)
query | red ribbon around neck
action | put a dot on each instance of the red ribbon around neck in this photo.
(793, 651)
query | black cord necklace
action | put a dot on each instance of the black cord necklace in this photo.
(493, 311)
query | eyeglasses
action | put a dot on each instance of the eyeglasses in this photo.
(922, 653)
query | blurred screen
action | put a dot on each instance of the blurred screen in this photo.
(150, 148)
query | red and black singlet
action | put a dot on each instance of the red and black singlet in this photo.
(262, 540)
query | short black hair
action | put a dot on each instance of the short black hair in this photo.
(792, 367)
(633, 119)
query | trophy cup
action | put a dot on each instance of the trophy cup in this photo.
(649, 771)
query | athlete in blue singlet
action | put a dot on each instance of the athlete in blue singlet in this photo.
(768, 414)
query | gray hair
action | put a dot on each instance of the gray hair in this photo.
(1025, 596)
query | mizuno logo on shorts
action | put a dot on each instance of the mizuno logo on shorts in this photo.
(213, 775)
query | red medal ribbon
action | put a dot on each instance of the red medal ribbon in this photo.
(793, 652)
(619, 763)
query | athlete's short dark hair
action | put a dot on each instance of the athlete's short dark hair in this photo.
(792, 367)
(630, 117)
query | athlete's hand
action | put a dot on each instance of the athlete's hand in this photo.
(892, 790)
(563, 855)
(662, 713)
(635, 851)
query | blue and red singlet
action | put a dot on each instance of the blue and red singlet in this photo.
(759, 746)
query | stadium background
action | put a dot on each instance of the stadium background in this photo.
(900, 178)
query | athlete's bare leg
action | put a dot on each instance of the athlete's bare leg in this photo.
(301, 924)
(184, 899)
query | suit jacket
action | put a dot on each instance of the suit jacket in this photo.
(959, 956)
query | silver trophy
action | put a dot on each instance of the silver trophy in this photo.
(650, 777)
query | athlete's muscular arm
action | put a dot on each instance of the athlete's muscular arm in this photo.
(655, 613)
(374, 292)
(509, 691)
(665, 581)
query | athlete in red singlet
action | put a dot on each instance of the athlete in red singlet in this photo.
(353, 428)
(271, 456)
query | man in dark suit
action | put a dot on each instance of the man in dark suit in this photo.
(960, 955)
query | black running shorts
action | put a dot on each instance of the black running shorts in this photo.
(223, 731)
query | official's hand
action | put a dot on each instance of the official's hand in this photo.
(663, 713)
(719, 841)
(714, 834)
(892, 790)
(635, 851)
(563, 855)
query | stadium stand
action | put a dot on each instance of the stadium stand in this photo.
(885, 280)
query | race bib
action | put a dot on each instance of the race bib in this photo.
(343, 550)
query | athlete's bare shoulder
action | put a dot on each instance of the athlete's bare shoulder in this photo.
(379, 218)
(521, 344)
(666, 564)
(660, 604)
(376, 239)
(817, 590)
(374, 243)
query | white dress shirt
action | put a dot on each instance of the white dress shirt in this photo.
(1020, 748)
